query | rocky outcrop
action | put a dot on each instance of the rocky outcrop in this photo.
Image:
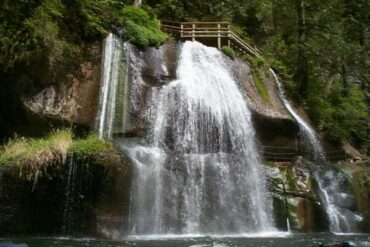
(243, 74)
(74, 100)
(296, 195)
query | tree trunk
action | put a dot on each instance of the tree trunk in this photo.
(301, 75)
(344, 79)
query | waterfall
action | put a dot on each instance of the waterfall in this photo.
(307, 132)
(70, 193)
(197, 170)
(111, 92)
(327, 185)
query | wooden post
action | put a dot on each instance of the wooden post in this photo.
(219, 36)
(228, 36)
(182, 30)
(193, 26)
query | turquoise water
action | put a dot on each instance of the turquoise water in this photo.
(294, 240)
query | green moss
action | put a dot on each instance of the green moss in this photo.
(91, 147)
(258, 65)
(228, 51)
(141, 27)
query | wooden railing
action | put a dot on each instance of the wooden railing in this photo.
(222, 31)
(286, 154)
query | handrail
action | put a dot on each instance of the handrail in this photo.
(219, 30)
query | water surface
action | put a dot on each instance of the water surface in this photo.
(293, 240)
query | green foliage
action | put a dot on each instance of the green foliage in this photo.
(228, 51)
(141, 27)
(180, 10)
(52, 29)
(335, 48)
(20, 151)
(338, 115)
(54, 148)
(91, 147)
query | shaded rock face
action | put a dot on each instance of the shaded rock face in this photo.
(72, 198)
(243, 74)
(74, 100)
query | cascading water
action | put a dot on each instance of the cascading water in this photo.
(307, 132)
(70, 191)
(197, 171)
(328, 186)
(111, 97)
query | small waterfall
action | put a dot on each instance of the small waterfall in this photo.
(197, 170)
(327, 185)
(112, 91)
(308, 133)
(70, 191)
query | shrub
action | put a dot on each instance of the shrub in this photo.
(141, 27)
(228, 51)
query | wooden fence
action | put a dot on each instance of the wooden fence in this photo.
(223, 32)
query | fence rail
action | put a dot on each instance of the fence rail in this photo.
(273, 153)
(222, 31)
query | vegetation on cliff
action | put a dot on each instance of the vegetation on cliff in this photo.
(55, 29)
(34, 154)
(45, 42)
(141, 27)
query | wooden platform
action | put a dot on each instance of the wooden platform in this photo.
(216, 34)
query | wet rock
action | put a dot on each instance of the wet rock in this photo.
(242, 73)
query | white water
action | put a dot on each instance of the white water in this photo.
(199, 171)
(110, 76)
(328, 187)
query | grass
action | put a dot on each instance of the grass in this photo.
(91, 147)
(36, 151)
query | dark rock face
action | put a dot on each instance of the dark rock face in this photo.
(70, 198)
(74, 100)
